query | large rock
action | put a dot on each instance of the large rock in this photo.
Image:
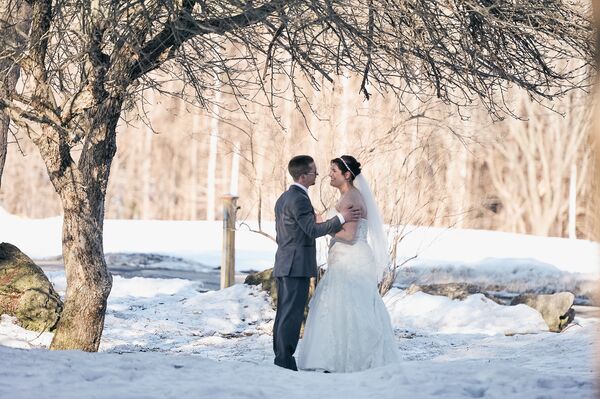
(451, 290)
(267, 282)
(556, 309)
(26, 292)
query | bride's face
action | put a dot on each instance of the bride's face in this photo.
(336, 176)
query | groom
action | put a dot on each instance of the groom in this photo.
(296, 258)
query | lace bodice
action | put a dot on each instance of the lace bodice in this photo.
(362, 230)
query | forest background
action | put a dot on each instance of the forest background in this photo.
(429, 165)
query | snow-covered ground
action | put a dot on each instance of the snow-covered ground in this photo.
(200, 241)
(177, 337)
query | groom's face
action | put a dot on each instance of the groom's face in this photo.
(309, 178)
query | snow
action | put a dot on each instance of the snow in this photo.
(508, 274)
(475, 315)
(201, 241)
(473, 246)
(170, 337)
(184, 343)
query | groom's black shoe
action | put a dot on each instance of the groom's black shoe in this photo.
(290, 365)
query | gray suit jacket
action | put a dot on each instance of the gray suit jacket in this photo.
(297, 229)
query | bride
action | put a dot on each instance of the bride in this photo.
(348, 327)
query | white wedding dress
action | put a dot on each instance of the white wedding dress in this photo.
(348, 327)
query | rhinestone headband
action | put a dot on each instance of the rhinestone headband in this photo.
(347, 167)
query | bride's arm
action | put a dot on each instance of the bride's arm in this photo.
(348, 232)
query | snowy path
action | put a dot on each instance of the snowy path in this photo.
(166, 339)
(453, 366)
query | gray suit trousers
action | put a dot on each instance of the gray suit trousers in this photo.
(292, 294)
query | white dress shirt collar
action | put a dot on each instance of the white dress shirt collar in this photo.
(301, 186)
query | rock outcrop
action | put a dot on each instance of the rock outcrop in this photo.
(556, 309)
(25, 291)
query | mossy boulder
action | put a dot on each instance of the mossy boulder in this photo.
(25, 291)
(267, 282)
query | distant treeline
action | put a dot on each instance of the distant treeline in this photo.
(430, 166)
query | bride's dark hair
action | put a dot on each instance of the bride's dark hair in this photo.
(347, 163)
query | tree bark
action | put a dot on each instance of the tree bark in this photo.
(211, 170)
(82, 189)
(4, 124)
(88, 283)
(147, 159)
(15, 21)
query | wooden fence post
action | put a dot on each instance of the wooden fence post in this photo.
(228, 253)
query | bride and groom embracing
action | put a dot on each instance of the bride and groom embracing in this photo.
(348, 327)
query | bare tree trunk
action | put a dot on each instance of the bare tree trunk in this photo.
(212, 175)
(147, 159)
(211, 170)
(88, 280)
(193, 192)
(17, 13)
(4, 124)
(572, 219)
(288, 133)
(147, 174)
(595, 129)
(82, 189)
(344, 114)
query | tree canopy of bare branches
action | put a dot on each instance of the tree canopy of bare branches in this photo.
(84, 61)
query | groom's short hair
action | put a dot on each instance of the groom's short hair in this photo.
(299, 165)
